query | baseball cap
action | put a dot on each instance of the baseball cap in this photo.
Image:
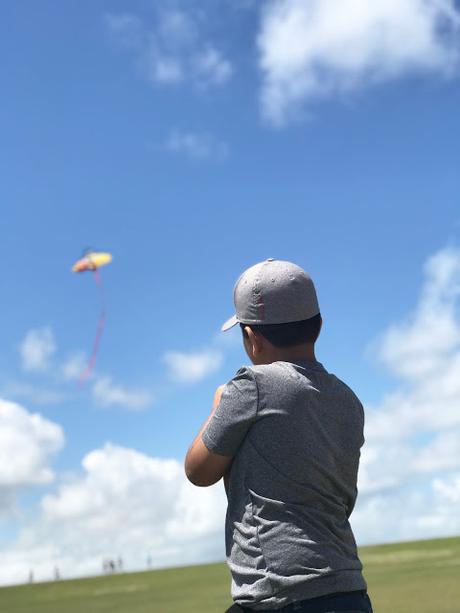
(273, 292)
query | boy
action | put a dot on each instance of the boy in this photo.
(286, 436)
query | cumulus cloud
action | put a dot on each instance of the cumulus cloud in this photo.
(413, 435)
(442, 453)
(320, 48)
(36, 349)
(194, 366)
(173, 50)
(421, 510)
(107, 394)
(196, 145)
(124, 503)
(424, 352)
(27, 443)
(421, 345)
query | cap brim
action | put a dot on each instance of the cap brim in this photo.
(229, 323)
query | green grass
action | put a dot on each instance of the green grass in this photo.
(418, 577)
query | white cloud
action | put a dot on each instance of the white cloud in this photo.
(173, 50)
(27, 443)
(196, 145)
(442, 453)
(431, 336)
(449, 492)
(36, 349)
(107, 394)
(194, 366)
(422, 510)
(424, 352)
(124, 504)
(413, 435)
(320, 48)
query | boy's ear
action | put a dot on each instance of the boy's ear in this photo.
(255, 339)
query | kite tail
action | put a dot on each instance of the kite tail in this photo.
(100, 328)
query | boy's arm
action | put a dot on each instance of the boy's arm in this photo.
(203, 467)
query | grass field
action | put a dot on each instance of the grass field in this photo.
(418, 577)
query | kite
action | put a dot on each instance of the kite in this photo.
(91, 262)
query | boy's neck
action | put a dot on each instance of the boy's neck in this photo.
(300, 353)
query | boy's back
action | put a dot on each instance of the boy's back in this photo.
(286, 436)
(295, 432)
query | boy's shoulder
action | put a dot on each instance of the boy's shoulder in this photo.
(257, 371)
(277, 374)
(285, 371)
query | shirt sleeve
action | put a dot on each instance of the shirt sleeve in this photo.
(235, 413)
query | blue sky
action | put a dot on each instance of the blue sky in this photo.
(193, 140)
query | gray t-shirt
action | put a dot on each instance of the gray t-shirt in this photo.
(295, 432)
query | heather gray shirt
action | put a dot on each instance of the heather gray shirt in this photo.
(295, 432)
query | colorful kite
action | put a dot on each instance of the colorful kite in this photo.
(92, 261)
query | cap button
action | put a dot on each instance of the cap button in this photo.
(270, 259)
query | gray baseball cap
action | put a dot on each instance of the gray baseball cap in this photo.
(273, 292)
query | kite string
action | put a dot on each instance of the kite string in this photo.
(100, 328)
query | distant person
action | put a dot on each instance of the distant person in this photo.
(108, 566)
(31, 576)
(120, 565)
(57, 574)
(285, 435)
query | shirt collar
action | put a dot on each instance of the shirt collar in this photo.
(309, 365)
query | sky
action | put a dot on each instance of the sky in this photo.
(193, 140)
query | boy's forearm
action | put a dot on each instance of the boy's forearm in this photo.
(215, 404)
(202, 466)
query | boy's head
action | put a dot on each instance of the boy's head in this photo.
(277, 308)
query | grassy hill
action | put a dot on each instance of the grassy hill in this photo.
(417, 577)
